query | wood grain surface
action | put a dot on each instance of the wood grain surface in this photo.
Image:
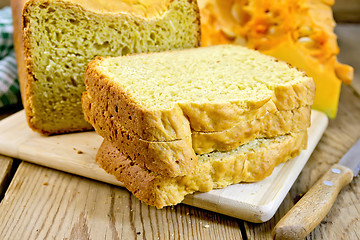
(46, 204)
(5, 169)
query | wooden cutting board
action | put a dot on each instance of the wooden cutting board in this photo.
(75, 153)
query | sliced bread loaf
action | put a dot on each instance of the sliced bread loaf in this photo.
(164, 96)
(250, 162)
(56, 39)
(177, 158)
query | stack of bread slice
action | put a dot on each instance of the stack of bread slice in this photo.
(191, 120)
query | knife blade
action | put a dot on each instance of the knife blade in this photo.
(309, 211)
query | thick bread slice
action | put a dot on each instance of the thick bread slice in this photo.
(173, 158)
(251, 162)
(163, 96)
(56, 39)
(165, 125)
(271, 124)
(177, 158)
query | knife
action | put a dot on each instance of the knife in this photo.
(309, 211)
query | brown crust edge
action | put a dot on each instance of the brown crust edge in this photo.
(135, 178)
(21, 50)
(175, 158)
(145, 123)
(145, 185)
(270, 125)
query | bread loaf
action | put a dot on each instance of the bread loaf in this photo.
(251, 162)
(55, 40)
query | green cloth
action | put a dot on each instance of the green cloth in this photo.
(9, 85)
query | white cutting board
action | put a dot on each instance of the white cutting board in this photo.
(75, 153)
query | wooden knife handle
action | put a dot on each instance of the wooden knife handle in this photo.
(309, 211)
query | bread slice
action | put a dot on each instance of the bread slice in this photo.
(251, 162)
(164, 96)
(177, 158)
(56, 39)
(270, 125)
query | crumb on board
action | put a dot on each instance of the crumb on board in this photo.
(78, 151)
(45, 183)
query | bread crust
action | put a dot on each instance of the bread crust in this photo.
(167, 125)
(221, 118)
(175, 158)
(24, 59)
(247, 166)
(17, 8)
(270, 125)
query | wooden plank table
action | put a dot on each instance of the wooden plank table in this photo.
(42, 203)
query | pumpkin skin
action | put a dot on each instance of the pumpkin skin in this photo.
(300, 32)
